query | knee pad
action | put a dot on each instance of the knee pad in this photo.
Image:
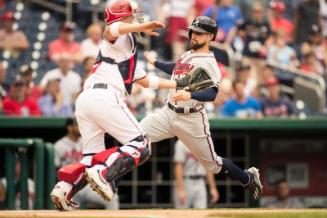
(71, 173)
(101, 158)
(130, 157)
(143, 151)
(145, 154)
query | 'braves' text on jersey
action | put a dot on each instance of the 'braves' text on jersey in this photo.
(186, 64)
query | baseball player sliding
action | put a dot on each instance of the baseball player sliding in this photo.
(100, 108)
(184, 116)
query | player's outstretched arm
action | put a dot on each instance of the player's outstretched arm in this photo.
(116, 29)
(167, 67)
(154, 82)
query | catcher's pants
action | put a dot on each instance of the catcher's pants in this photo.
(192, 129)
(103, 110)
(196, 194)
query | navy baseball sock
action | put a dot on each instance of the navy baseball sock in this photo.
(232, 170)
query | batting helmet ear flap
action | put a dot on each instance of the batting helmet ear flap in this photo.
(189, 33)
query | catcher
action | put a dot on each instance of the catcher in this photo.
(197, 78)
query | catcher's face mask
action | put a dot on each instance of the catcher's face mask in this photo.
(138, 16)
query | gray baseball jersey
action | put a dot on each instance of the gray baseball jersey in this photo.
(192, 128)
(194, 179)
(67, 151)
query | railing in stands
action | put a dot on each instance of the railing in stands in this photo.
(43, 167)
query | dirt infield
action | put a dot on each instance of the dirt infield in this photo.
(169, 213)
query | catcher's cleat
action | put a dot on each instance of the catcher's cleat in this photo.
(254, 185)
(60, 197)
(99, 184)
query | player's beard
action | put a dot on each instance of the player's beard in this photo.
(195, 45)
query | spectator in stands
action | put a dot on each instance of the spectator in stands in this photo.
(190, 189)
(177, 22)
(241, 106)
(30, 187)
(2, 4)
(70, 81)
(310, 63)
(225, 93)
(317, 44)
(228, 17)
(26, 73)
(246, 75)
(52, 103)
(306, 15)
(283, 199)
(277, 20)
(274, 105)
(3, 87)
(267, 72)
(255, 32)
(11, 40)
(200, 6)
(323, 16)
(68, 150)
(65, 44)
(90, 45)
(88, 64)
(280, 53)
(17, 103)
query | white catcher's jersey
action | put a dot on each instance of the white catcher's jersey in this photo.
(120, 50)
(186, 65)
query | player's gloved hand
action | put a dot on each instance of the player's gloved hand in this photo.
(194, 81)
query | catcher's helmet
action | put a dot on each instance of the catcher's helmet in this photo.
(203, 24)
(117, 11)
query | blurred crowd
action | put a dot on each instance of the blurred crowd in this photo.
(288, 33)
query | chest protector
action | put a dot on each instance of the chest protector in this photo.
(126, 67)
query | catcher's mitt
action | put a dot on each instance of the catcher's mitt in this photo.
(197, 80)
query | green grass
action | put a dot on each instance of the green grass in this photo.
(272, 214)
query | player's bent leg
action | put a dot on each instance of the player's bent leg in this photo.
(249, 178)
(71, 179)
(111, 164)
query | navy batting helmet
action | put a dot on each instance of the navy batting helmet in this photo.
(203, 24)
